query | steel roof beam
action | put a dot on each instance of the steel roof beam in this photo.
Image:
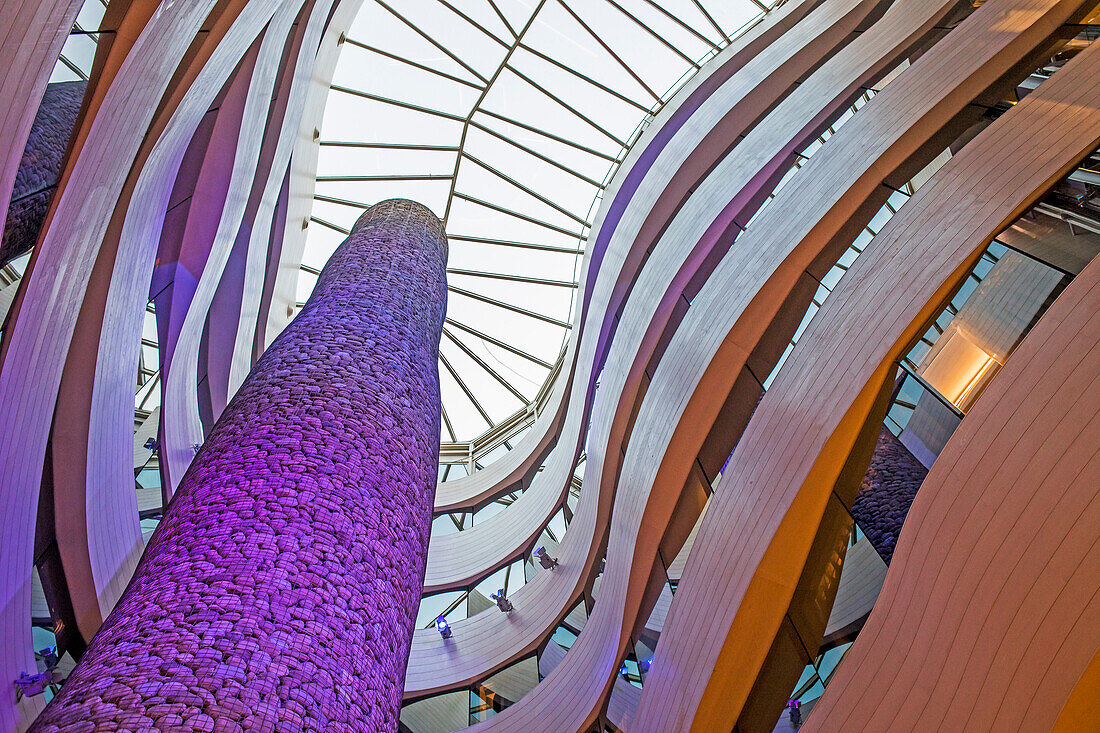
(509, 306)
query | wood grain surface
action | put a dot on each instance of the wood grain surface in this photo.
(758, 529)
(481, 640)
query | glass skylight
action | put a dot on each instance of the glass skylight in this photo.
(508, 119)
(78, 53)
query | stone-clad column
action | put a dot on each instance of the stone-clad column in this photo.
(40, 166)
(281, 588)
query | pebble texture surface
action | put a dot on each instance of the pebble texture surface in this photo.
(280, 591)
(41, 164)
(887, 492)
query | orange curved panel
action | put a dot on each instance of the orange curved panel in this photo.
(757, 533)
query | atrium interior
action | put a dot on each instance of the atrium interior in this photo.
(550, 365)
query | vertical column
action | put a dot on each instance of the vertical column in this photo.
(39, 167)
(281, 588)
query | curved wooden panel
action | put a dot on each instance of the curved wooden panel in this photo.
(134, 79)
(281, 281)
(101, 539)
(860, 584)
(181, 426)
(458, 559)
(288, 111)
(643, 505)
(1000, 548)
(761, 522)
(705, 219)
(30, 42)
(106, 522)
(519, 465)
(188, 250)
(50, 299)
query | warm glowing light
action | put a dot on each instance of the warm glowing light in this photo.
(959, 368)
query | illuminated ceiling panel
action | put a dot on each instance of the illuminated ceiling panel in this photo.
(508, 119)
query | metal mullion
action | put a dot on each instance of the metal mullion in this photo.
(469, 394)
(760, 5)
(512, 278)
(929, 388)
(72, 67)
(497, 342)
(560, 209)
(462, 596)
(477, 105)
(710, 19)
(480, 362)
(77, 28)
(396, 103)
(690, 29)
(550, 135)
(503, 19)
(330, 225)
(414, 64)
(672, 47)
(516, 214)
(588, 79)
(508, 306)
(447, 423)
(535, 153)
(153, 383)
(566, 105)
(520, 245)
(388, 146)
(311, 270)
(432, 41)
(605, 47)
(342, 202)
(474, 23)
(380, 178)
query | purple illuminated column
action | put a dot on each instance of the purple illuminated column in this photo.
(40, 166)
(281, 588)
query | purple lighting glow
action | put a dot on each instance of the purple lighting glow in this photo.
(281, 589)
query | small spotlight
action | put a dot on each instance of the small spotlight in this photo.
(547, 562)
(151, 444)
(623, 671)
(443, 627)
(49, 656)
(502, 601)
(794, 709)
(646, 664)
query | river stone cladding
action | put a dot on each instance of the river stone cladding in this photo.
(36, 178)
(279, 592)
(887, 492)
